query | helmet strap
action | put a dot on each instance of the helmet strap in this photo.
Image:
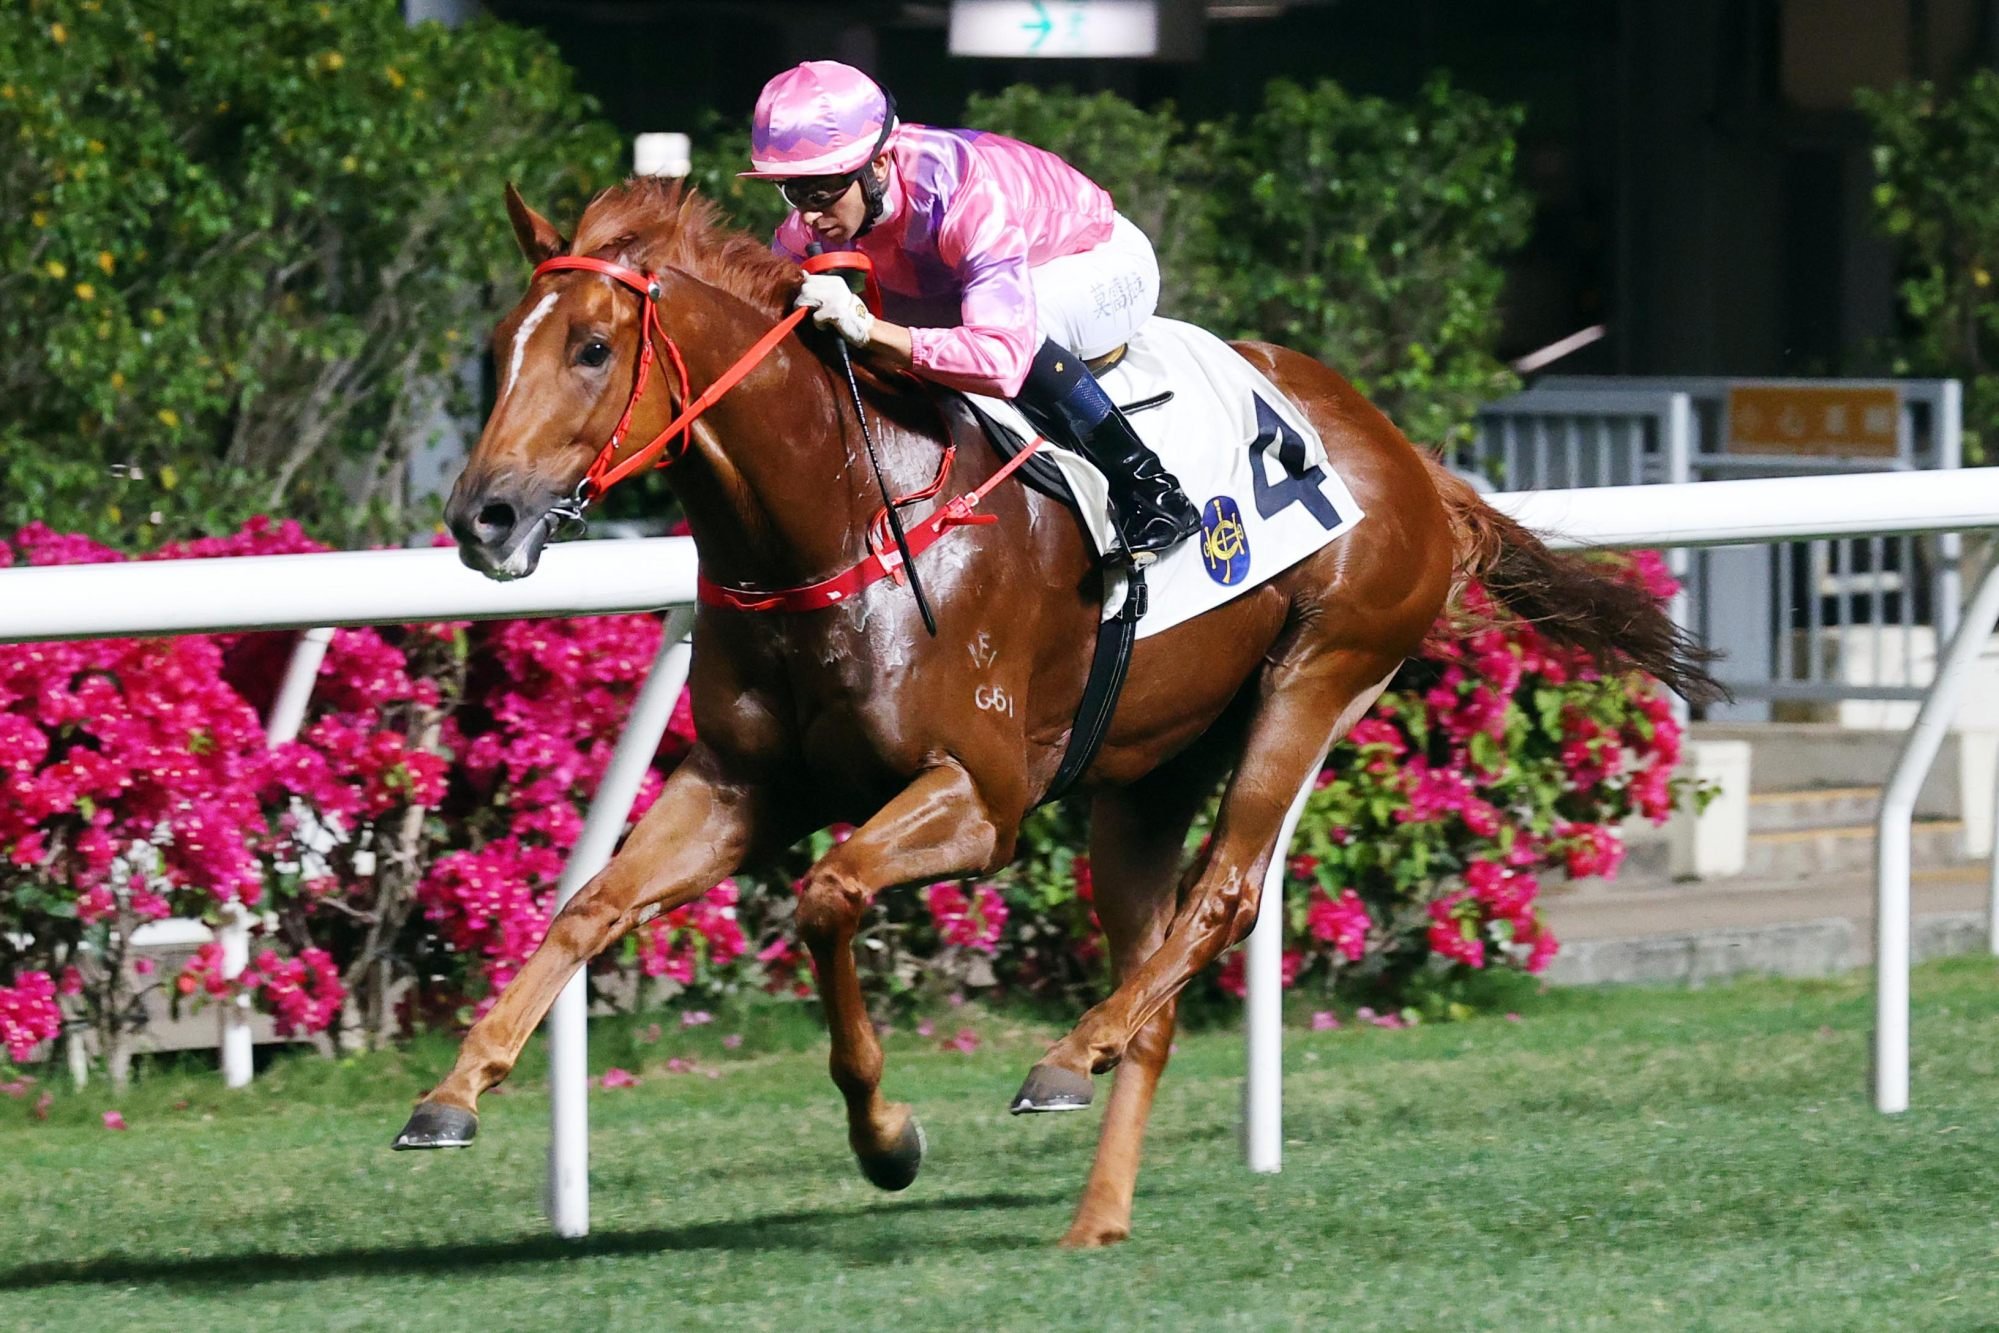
(874, 189)
(874, 194)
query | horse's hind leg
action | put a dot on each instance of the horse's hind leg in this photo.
(695, 834)
(939, 826)
(1137, 842)
(1307, 706)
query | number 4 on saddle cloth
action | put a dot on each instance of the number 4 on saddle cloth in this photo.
(1248, 460)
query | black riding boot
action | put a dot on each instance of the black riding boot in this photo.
(1061, 397)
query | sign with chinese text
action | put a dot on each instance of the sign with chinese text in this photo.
(1851, 421)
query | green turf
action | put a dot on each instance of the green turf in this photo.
(1632, 1159)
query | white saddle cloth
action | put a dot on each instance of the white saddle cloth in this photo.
(1241, 451)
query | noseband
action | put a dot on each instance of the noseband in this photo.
(606, 470)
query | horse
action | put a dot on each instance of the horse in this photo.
(936, 747)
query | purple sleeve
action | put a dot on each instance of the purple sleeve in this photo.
(790, 239)
(987, 251)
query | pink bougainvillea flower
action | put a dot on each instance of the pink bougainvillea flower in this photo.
(113, 1120)
(926, 1028)
(1325, 1021)
(732, 1041)
(695, 1018)
(619, 1078)
(964, 1043)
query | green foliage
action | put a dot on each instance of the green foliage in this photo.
(1362, 232)
(1159, 175)
(721, 149)
(248, 245)
(1368, 235)
(1937, 195)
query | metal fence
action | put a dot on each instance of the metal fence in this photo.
(1821, 621)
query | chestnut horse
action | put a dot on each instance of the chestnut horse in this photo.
(935, 748)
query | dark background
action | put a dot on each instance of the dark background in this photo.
(1701, 178)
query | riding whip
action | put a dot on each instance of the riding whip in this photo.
(888, 504)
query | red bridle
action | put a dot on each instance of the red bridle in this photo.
(882, 562)
(606, 469)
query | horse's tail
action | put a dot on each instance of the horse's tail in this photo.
(1571, 598)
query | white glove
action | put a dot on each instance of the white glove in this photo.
(835, 305)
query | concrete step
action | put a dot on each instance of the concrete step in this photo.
(1812, 807)
(1801, 853)
(1692, 933)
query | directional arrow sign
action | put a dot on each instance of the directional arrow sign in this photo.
(1102, 29)
(1040, 27)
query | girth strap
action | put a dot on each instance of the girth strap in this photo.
(1112, 659)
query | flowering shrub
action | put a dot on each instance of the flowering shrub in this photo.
(416, 828)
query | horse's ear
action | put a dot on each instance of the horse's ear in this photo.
(536, 235)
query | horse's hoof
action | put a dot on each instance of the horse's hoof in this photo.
(896, 1169)
(434, 1125)
(1084, 1237)
(1051, 1088)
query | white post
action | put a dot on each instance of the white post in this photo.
(662, 154)
(1892, 838)
(568, 1199)
(1992, 897)
(1263, 971)
(286, 717)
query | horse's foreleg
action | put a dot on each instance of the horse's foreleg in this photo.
(1137, 838)
(937, 827)
(1304, 710)
(695, 834)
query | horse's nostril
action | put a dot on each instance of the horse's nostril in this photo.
(495, 521)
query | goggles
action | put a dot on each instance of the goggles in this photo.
(816, 194)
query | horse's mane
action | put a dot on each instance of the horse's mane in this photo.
(664, 224)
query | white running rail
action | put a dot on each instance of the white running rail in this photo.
(594, 578)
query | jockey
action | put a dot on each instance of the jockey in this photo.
(1002, 267)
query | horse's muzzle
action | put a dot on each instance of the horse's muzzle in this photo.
(500, 534)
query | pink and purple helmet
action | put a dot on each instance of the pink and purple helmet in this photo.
(821, 118)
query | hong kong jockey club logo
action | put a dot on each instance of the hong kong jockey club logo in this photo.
(1224, 541)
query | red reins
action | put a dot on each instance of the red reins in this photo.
(607, 470)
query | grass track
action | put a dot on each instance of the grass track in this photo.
(1629, 1159)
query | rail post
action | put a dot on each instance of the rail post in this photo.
(568, 1199)
(1892, 845)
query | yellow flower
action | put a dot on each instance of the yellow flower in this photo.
(59, 33)
(39, 218)
(157, 316)
(107, 261)
(96, 145)
(350, 163)
(334, 60)
(394, 76)
(169, 418)
(6, 92)
(117, 379)
(1981, 277)
(114, 513)
(85, 292)
(168, 477)
(57, 269)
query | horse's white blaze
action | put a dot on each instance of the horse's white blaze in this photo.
(526, 331)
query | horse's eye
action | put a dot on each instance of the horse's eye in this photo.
(593, 354)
